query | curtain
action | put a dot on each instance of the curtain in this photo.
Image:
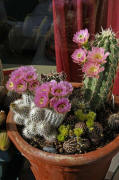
(113, 22)
(69, 17)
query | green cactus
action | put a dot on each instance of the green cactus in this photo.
(95, 90)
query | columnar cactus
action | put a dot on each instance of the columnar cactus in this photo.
(96, 90)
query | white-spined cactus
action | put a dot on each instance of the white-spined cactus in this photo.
(27, 97)
(41, 109)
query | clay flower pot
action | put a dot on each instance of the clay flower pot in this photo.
(49, 166)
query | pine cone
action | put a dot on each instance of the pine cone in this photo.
(113, 121)
(70, 146)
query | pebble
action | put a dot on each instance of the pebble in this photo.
(49, 149)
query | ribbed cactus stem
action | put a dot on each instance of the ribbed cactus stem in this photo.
(30, 130)
(19, 108)
(46, 130)
(18, 119)
(96, 90)
(27, 97)
(53, 117)
(36, 114)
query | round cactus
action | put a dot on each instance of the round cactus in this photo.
(113, 121)
(70, 146)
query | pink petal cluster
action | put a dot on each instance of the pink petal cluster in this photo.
(97, 55)
(67, 85)
(79, 56)
(33, 85)
(58, 90)
(22, 79)
(62, 105)
(56, 96)
(92, 61)
(20, 86)
(92, 69)
(41, 100)
(81, 37)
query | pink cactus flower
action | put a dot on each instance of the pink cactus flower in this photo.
(79, 56)
(92, 69)
(53, 100)
(97, 55)
(52, 83)
(62, 105)
(59, 90)
(41, 100)
(10, 85)
(33, 85)
(20, 86)
(43, 88)
(30, 76)
(81, 37)
(69, 87)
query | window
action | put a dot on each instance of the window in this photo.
(26, 32)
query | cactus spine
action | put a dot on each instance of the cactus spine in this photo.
(96, 91)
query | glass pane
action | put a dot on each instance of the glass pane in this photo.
(26, 32)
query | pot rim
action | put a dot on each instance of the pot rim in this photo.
(33, 153)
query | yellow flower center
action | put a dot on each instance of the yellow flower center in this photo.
(80, 36)
(34, 85)
(79, 55)
(11, 84)
(44, 90)
(41, 100)
(58, 90)
(98, 56)
(20, 86)
(92, 69)
(29, 77)
(61, 105)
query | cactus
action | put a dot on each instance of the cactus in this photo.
(4, 141)
(27, 97)
(70, 146)
(18, 107)
(113, 121)
(95, 90)
(37, 121)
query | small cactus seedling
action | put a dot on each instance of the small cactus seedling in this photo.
(113, 121)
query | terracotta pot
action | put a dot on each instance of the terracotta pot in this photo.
(49, 166)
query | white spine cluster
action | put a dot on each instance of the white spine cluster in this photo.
(36, 121)
(27, 98)
(54, 118)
